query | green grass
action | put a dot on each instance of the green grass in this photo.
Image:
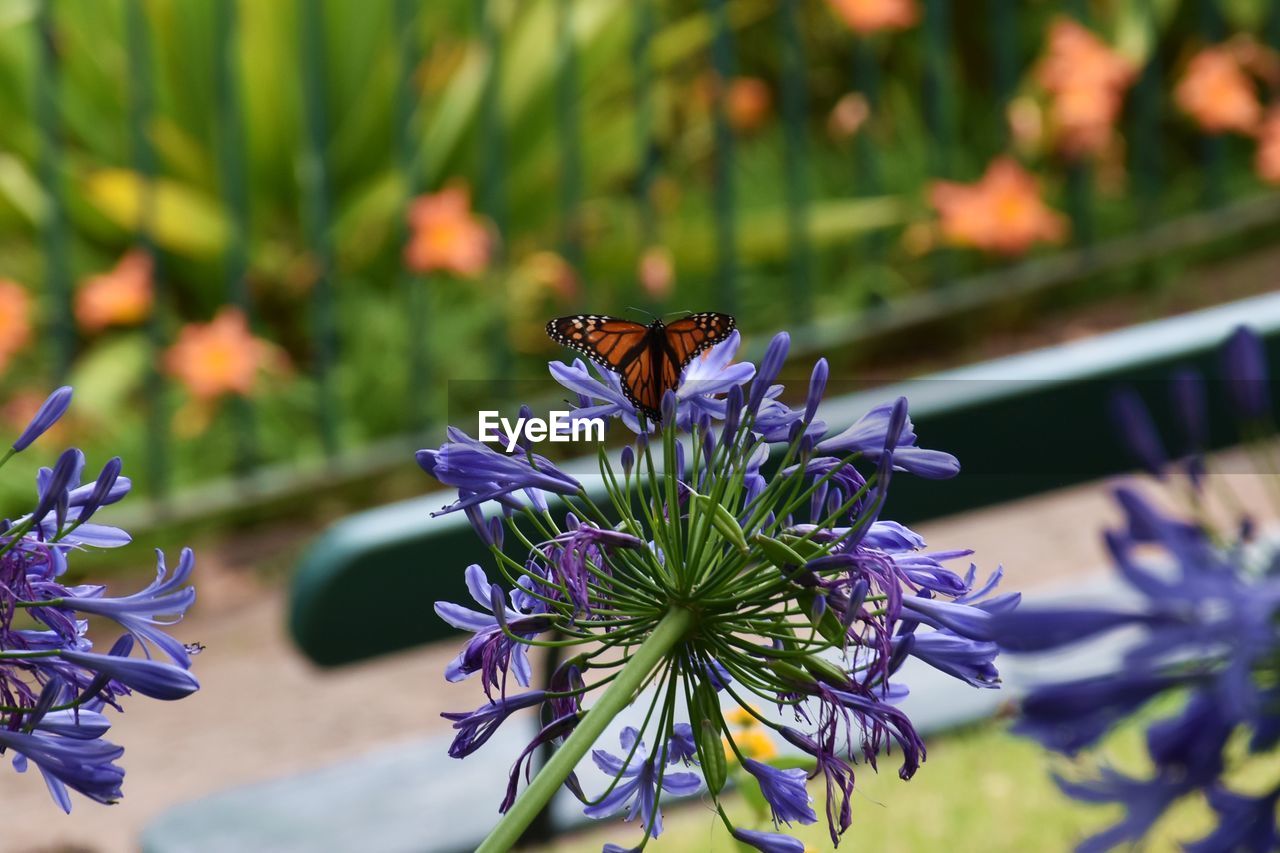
(982, 790)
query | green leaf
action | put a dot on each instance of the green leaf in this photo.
(21, 189)
(15, 13)
(108, 374)
(1249, 15)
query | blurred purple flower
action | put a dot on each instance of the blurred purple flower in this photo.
(1133, 422)
(1244, 367)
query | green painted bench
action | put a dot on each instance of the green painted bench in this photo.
(1020, 425)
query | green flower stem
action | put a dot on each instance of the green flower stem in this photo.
(668, 632)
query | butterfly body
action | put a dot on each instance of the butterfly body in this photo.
(648, 359)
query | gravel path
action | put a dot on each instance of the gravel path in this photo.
(264, 711)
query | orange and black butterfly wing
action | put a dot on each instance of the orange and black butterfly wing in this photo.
(642, 382)
(624, 347)
(686, 338)
(606, 340)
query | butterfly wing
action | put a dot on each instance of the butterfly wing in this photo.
(607, 340)
(687, 337)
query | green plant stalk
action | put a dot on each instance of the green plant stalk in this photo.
(669, 631)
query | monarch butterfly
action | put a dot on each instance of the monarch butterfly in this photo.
(649, 358)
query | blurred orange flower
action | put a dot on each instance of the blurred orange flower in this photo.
(1002, 212)
(444, 234)
(1087, 81)
(221, 356)
(870, 16)
(747, 103)
(15, 319)
(1268, 157)
(120, 297)
(1218, 93)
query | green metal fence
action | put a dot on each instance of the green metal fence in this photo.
(953, 75)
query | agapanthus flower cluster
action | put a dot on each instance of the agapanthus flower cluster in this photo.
(1203, 626)
(734, 556)
(54, 686)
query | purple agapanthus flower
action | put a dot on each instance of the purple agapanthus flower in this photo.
(1134, 423)
(54, 686)
(152, 678)
(1245, 824)
(707, 379)
(783, 790)
(1199, 623)
(736, 517)
(491, 652)
(1144, 801)
(837, 773)
(868, 435)
(146, 613)
(769, 842)
(971, 661)
(1244, 369)
(638, 781)
(578, 556)
(476, 727)
(681, 747)
(49, 413)
(85, 765)
(972, 622)
(482, 473)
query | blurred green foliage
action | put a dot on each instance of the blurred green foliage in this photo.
(860, 206)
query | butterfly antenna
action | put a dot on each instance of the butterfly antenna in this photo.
(675, 314)
(641, 311)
